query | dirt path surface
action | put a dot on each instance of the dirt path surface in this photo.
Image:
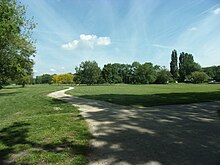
(161, 135)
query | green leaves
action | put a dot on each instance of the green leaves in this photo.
(16, 45)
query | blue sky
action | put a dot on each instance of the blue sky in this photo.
(123, 31)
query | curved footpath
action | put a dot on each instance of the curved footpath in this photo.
(162, 135)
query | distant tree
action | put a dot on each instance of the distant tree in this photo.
(199, 77)
(213, 72)
(133, 71)
(88, 72)
(16, 44)
(163, 76)
(38, 80)
(63, 78)
(145, 73)
(173, 65)
(107, 73)
(187, 65)
(46, 79)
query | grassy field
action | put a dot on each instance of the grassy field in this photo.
(150, 95)
(36, 129)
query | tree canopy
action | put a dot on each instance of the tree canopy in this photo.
(16, 44)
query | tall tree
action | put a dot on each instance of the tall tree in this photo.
(187, 65)
(16, 44)
(88, 72)
(173, 65)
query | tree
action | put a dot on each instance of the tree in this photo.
(163, 76)
(145, 74)
(199, 77)
(88, 72)
(63, 78)
(173, 65)
(46, 79)
(213, 72)
(187, 65)
(16, 44)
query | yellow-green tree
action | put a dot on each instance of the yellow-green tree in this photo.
(63, 78)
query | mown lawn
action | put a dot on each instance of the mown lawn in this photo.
(150, 95)
(36, 129)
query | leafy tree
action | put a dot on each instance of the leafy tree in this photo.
(163, 76)
(107, 73)
(134, 70)
(38, 80)
(199, 77)
(213, 72)
(173, 65)
(89, 72)
(145, 74)
(46, 79)
(63, 78)
(16, 44)
(187, 65)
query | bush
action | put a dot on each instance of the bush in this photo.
(199, 77)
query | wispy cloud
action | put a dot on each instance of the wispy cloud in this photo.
(89, 41)
(216, 11)
(161, 46)
(193, 29)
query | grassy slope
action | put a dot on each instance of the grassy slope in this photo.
(150, 95)
(36, 129)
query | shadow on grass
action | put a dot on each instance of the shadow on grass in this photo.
(17, 134)
(9, 93)
(156, 99)
(162, 135)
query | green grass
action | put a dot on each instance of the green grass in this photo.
(36, 129)
(150, 95)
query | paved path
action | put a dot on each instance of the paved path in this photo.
(161, 135)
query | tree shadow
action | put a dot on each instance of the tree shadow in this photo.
(156, 99)
(17, 134)
(168, 135)
(9, 93)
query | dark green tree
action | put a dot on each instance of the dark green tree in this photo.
(88, 72)
(145, 74)
(187, 66)
(16, 44)
(46, 79)
(174, 65)
(213, 72)
(163, 76)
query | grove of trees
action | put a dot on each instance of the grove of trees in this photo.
(16, 45)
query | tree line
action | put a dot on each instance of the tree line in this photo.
(17, 49)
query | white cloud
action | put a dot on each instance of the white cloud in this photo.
(216, 11)
(87, 41)
(62, 67)
(52, 70)
(161, 46)
(192, 29)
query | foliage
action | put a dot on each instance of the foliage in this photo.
(213, 72)
(46, 79)
(88, 72)
(173, 65)
(199, 77)
(63, 78)
(187, 65)
(16, 44)
(163, 76)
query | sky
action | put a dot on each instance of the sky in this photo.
(122, 31)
